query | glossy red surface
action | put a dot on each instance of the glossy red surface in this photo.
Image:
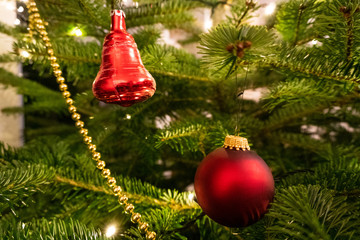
(122, 78)
(234, 188)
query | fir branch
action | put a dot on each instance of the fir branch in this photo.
(305, 71)
(187, 224)
(302, 7)
(10, 31)
(249, 6)
(321, 214)
(49, 229)
(177, 75)
(348, 15)
(89, 12)
(136, 198)
(352, 193)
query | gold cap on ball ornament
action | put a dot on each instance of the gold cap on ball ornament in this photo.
(239, 143)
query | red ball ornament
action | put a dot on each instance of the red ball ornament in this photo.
(233, 185)
(122, 78)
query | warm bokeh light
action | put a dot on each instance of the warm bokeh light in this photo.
(270, 8)
(191, 196)
(21, 9)
(76, 32)
(110, 231)
(24, 54)
(17, 21)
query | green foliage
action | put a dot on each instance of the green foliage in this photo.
(22, 182)
(305, 126)
(50, 229)
(304, 91)
(215, 45)
(293, 20)
(313, 212)
(342, 35)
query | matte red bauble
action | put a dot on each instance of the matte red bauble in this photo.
(233, 185)
(122, 78)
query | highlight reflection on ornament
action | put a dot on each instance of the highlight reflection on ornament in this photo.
(122, 78)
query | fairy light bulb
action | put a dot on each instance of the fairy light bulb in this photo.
(110, 231)
(24, 54)
(76, 32)
(191, 196)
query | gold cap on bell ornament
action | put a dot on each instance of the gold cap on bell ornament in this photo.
(239, 143)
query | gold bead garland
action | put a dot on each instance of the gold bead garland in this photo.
(37, 24)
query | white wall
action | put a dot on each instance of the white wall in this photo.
(11, 126)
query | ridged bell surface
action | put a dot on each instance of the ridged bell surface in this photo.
(122, 78)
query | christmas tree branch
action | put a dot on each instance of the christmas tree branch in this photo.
(298, 69)
(137, 198)
(298, 22)
(177, 75)
(353, 193)
(280, 120)
(187, 225)
(90, 13)
(98, 61)
(249, 5)
(349, 31)
(65, 58)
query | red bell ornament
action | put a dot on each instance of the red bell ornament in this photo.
(122, 78)
(233, 185)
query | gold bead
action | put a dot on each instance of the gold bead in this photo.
(69, 101)
(63, 87)
(100, 165)
(43, 33)
(84, 131)
(106, 173)
(72, 109)
(35, 11)
(52, 58)
(66, 94)
(50, 51)
(48, 45)
(55, 65)
(45, 38)
(150, 235)
(60, 80)
(111, 181)
(135, 217)
(38, 21)
(87, 139)
(129, 208)
(117, 190)
(79, 124)
(143, 227)
(57, 73)
(32, 4)
(41, 27)
(96, 156)
(123, 199)
(92, 147)
(75, 116)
